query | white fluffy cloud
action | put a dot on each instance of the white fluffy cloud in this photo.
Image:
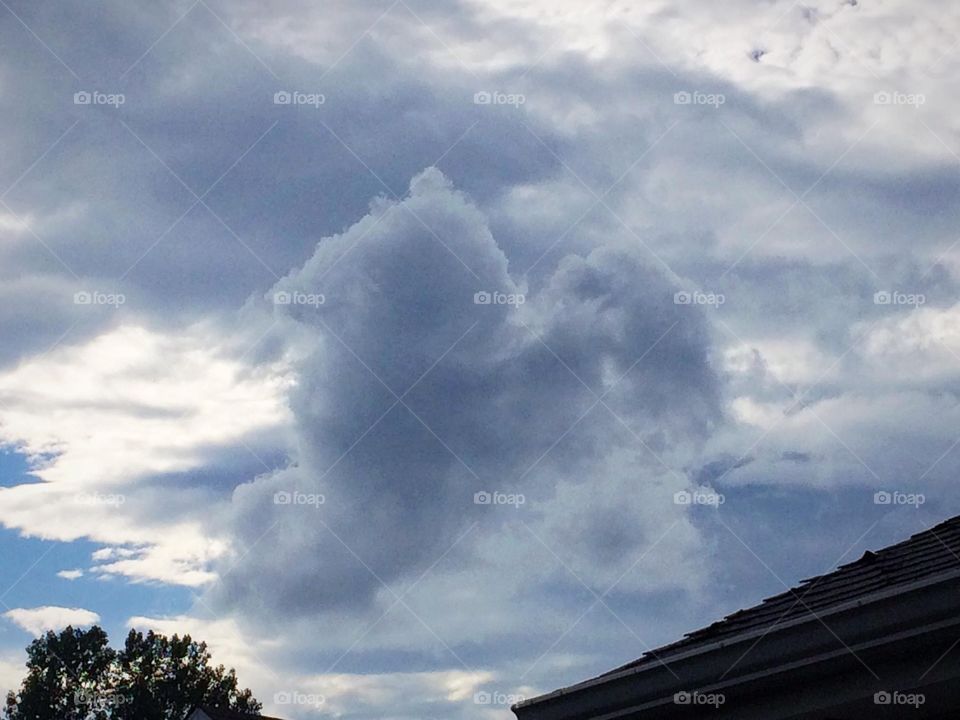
(38, 620)
(151, 403)
(112, 427)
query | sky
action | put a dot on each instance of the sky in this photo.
(425, 356)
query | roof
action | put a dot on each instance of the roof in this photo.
(222, 714)
(922, 556)
(896, 607)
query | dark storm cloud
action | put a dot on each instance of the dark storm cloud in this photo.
(414, 397)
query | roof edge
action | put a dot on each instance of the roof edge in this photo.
(655, 662)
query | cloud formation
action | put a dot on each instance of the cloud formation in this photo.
(38, 620)
(432, 375)
(160, 408)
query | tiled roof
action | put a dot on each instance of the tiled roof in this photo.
(924, 555)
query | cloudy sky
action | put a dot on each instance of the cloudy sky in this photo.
(414, 353)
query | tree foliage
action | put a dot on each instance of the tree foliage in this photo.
(76, 675)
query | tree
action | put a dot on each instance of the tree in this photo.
(63, 673)
(161, 678)
(77, 676)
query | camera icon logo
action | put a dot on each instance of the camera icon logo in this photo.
(282, 498)
(882, 498)
(482, 298)
(82, 98)
(282, 97)
(482, 498)
(682, 98)
(482, 697)
(883, 297)
(282, 297)
(82, 298)
(682, 497)
(682, 698)
(882, 98)
(282, 698)
(682, 298)
(482, 98)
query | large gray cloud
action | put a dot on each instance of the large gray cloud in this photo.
(413, 397)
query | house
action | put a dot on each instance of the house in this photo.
(877, 638)
(209, 713)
